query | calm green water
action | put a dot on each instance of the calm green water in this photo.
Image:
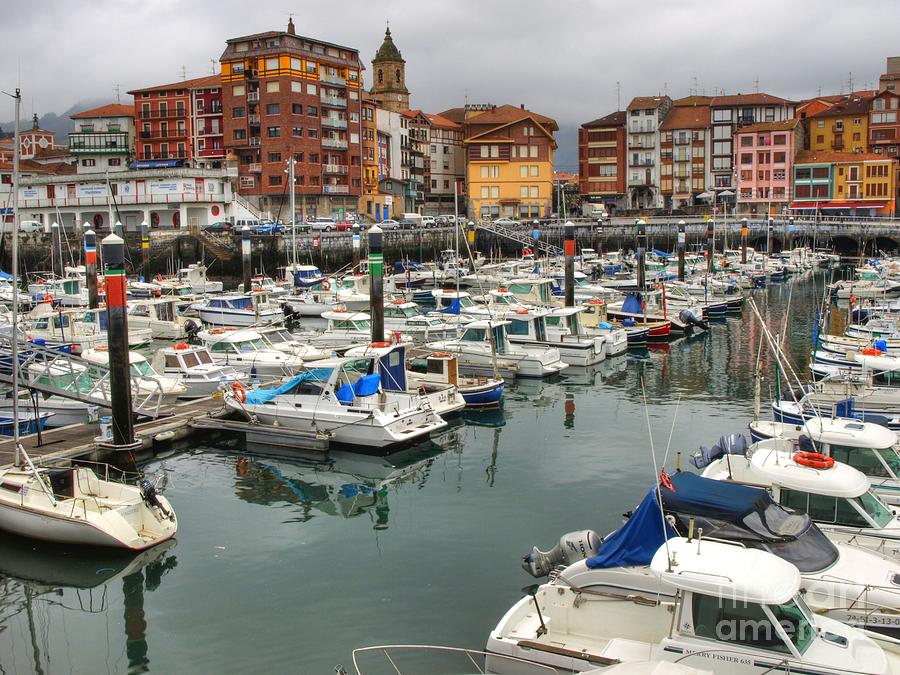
(284, 566)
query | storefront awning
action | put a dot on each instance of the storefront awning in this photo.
(835, 205)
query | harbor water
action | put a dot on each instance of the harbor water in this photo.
(286, 565)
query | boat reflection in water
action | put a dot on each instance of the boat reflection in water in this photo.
(345, 484)
(35, 575)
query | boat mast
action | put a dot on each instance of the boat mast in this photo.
(293, 216)
(456, 234)
(15, 287)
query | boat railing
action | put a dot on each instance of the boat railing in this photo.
(471, 657)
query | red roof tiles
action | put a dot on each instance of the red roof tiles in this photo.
(108, 110)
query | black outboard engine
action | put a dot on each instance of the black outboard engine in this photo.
(687, 316)
(291, 317)
(151, 499)
(571, 548)
(191, 328)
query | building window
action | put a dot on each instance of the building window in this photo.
(746, 141)
(297, 132)
(779, 139)
(115, 161)
(238, 112)
(312, 111)
(275, 179)
(314, 157)
(485, 192)
(273, 132)
(311, 89)
(820, 138)
(240, 134)
(313, 180)
(272, 87)
(274, 156)
(273, 108)
(88, 162)
(272, 63)
(313, 133)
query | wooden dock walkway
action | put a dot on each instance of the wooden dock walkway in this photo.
(77, 440)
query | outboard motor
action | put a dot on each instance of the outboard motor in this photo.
(291, 317)
(571, 548)
(151, 499)
(191, 328)
(688, 317)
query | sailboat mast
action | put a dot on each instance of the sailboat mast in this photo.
(15, 287)
(456, 233)
(293, 216)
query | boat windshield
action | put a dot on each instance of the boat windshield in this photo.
(892, 459)
(279, 336)
(868, 460)
(204, 356)
(473, 335)
(142, 368)
(247, 346)
(795, 621)
(241, 303)
(874, 508)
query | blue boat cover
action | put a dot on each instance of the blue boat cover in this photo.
(5, 276)
(717, 499)
(367, 385)
(662, 254)
(259, 396)
(637, 540)
(454, 308)
(632, 304)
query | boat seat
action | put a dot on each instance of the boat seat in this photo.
(367, 385)
(345, 394)
(629, 651)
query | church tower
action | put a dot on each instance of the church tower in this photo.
(389, 76)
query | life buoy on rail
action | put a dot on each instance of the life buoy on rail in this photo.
(527, 251)
(442, 355)
(239, 391)
(326, 285)
(378, 345)
(814, 460)
(182, 345)
(48, 298)
(870, 351)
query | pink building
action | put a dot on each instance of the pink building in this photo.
(764, 163)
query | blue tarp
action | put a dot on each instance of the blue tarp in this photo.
(454, 308)
(716, 499)
(5, 276)
(632, 304)
(662, 254)
(259, 396)
(637, 540)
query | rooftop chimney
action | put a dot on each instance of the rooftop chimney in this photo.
(290, 28)
(522, 106)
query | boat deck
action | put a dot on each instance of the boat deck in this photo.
(77, 440)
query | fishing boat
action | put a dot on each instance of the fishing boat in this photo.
(442, 368)
(196, 369)
(28, 422)
(239, 309)
(484, 346)
(595, 320)
(406, 317)
(650, 595)
(246, 351)
(343, 400)
(74, 505)
(835, 495)
(304, 276)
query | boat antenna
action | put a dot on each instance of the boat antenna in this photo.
(656, 477)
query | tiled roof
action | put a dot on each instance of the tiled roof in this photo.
(646, 102)
(692, 100)
(747, 99)
(616, 119)
(507, 114)
(443, 122)
(457, 115)
(108, 110)
(56, 169)
(812, 157)
(195, 83)
(686, 117)
(853, 106)
(787, 125)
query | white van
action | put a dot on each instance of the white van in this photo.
(411, 221)
(252, 223)
(31, 226)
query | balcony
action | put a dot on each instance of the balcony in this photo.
(209, 132)
(336, 169)
(215, 110)
(254, 168)
(165, 133)
(640, 182)
(334, 123)
(255, 141)
(251, 74)
(333, 79)
(253, 120)
(333, 101)
(640, 162)
(163, 114)
(179, 154)
(98, 143)
(683, 141)
(253, 97)
(336, 189)
(334, 144)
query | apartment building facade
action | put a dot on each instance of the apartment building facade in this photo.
(684, 152)
(602, 156)
(844, 183)
(765, 163)
(448, 167)
(884, 127)
(103, 140)
(842, 127)
(645, 113)
(285, 95)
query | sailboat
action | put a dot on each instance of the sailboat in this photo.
(72, 504)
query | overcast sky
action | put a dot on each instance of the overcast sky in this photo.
(561, 58)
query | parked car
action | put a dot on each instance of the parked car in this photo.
(218, 226)
(507, 222)
(300, 226)
(322, 225)
(31, 226)
(252, 223)
(428, 221)
(269, 227)
(409, 224)
(389, 224)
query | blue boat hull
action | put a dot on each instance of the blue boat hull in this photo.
(483, 397)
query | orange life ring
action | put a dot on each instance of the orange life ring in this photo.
(442, 355)
(814, 460)
(521, 311)
(340, 310)
(595, 301)
(217, 331)
(239, 391)
(48, 298)
(502, 290)
(527, 251)
(870, 351)
(326, 285)
(399, 302)
(182, 345)
(379, 344)
(101, 348)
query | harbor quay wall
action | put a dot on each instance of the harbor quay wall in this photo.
(333, 252)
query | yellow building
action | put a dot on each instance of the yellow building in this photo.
(510, 161)
(845, 183)
(844, 127)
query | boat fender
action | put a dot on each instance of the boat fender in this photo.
(871, 351)
(571, 548)
(814, 460)
(239, 391)
(628, 322)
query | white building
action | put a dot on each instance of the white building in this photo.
(644, 115)
(103, 140)
(448, 165)
(396, 127)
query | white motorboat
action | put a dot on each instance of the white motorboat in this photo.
(566, 321)
(351, 291)
(245, 350)
(283, 340)
(484, 346)
(268, 285)
(147, 381)
(349, 328)
(95, 322)
(45, 323)
(196, 369)
(194, 276)
(865, 288)
(869, 448)
(407, 318)
(163, 317)
(824, 396)
(835, 495)
(239, 309)
(703, 604)
(344, 400)
(73, 505)
(390, 364)
(304, 276)
(442, 368)
(529, 327)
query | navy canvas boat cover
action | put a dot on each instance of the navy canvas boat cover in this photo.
(632, 304)
(710, 498)
(637, 540)
(455, 307)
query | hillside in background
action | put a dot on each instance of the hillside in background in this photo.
(60, 124)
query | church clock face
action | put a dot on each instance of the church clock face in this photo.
(399, 97)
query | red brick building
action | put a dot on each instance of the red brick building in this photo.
(179, 124)
(288, 95)
(884, 128)
(602, 151)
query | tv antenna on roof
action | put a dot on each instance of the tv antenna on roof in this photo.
(756, 84)
(618, 96)
(184, 72)
(213, 65)
(117, 89)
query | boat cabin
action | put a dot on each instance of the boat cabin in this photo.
(869, 448)
(444, 299)
(350, 322)
(481, 331)
(532, 291)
